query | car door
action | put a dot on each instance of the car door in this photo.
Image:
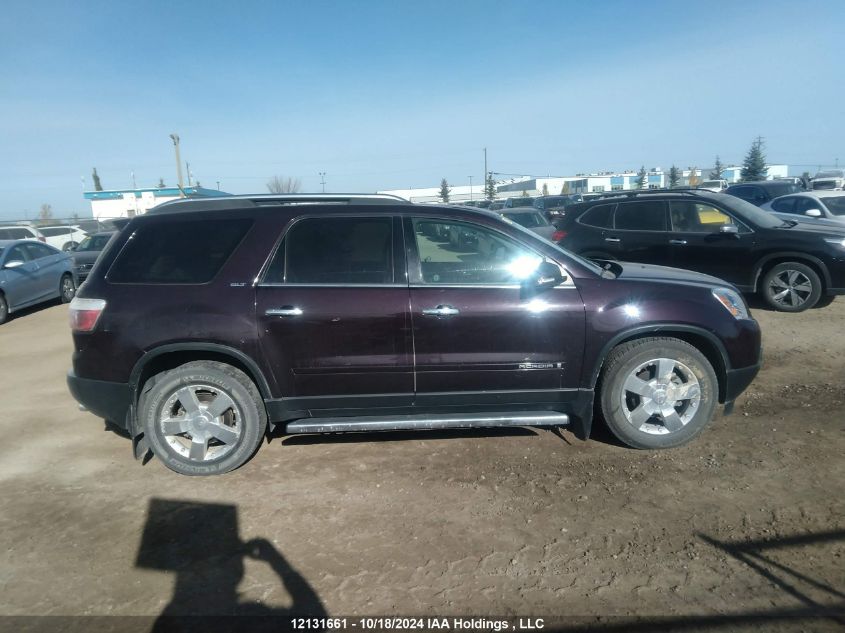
(699, 244)
(50, 269)
(333, 314)
(20, 284)
(479, 337)
(640, 233)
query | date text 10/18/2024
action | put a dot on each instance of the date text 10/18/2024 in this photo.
(416, 624)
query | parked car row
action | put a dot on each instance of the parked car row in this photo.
(63, 237)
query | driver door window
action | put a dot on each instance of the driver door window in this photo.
(695, 217)
(457, 254)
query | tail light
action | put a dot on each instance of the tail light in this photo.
(557, 236)
(84, 313)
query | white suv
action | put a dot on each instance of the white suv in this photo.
(21, 232)
(65, 237)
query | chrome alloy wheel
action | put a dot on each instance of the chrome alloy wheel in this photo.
(200, 422)
(790, 288)
(68, 289)
(660, 396)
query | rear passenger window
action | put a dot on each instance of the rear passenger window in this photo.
(178, 252)
(600, 216)
(37, 251)
(647, 215)
(335, 250)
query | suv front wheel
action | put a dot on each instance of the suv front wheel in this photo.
(657, 392)
(202, 418)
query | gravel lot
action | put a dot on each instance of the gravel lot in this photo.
(519, 522)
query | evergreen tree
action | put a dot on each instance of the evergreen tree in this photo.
(718, 168)
(444, 191)
(161, 184)
(490, 187)
(674, 177)
(641, 178)
(96, 178)
(754, 165)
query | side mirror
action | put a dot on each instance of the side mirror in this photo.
(547, 275)
(729, 229)
(813, 213)
(15, 263)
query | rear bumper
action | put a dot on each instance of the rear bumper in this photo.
(108, 400)
(737, 381)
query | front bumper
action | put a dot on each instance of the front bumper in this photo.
(108, 400)
(737, 381)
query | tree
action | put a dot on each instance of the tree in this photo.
(674, 177)
(46, 212)
(718, 168)
(545, 189)
(283, 185)
(641, 178)
(754, 165)
(444, 191)
(565, 189)
(490, 187)
(161, 184)
(95, 176)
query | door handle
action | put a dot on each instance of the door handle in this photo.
(441, 310)
(612, 239)
(678, 242)
(284, 311)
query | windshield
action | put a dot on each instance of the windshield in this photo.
(835, 205)
(711, 183)
(835, 173)
(85, 245)
(528, 220)
(782, 189)
(522, 202)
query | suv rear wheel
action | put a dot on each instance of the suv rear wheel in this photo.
(657, 392)
(791, 287)
(203, 418)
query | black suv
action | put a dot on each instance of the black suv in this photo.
(206, 322)
(759, 192)
(793, 265)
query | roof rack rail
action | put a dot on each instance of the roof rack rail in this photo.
(273, 199)
(632, 193)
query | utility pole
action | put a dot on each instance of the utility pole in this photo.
(485, 166)
(175, 138)
(188, 171)
(323, 180)
(470, 188)
(134, 185)
(218, 185)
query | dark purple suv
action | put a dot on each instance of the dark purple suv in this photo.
(205, 323)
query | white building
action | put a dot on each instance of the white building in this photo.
(127, 203)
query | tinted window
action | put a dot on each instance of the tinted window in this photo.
(18, 253)
(835, 205)
(696, 217)
(187, 252)
(14, 234)
(782, 189)
(52, 232)
(754, 195)
(458, 253)
(784, 205)
(37, 251)
(647, 215)
(335, 251)
(600, 216)
(520, 202)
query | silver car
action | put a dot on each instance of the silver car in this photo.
(825, 208)
(30, 273)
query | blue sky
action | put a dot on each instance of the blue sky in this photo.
(396, 94)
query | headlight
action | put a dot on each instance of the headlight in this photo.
(836, 241)
(732, 301)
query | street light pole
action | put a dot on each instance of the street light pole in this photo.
(175, 138)
(470, 188)
(485, 172)
(323, 180)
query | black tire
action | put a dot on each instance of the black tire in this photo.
(654, 432)
(800, 282)
(69, 245)
(4, 309)
(67, 288)
(824, 301)
(247, 417)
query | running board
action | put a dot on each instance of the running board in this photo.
(427, 422)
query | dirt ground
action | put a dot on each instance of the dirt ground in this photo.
(750, 518)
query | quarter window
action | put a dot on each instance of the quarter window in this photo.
(458, 253)
(647, 215)
(599, 216)
(335, 250)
